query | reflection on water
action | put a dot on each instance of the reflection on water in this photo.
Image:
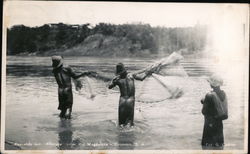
(172, 124)
(126, 139)
(65, 136)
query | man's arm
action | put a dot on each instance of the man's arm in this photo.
(141, 77)
(113, 83)
(72, 73)
(78, 75)
(101, 77)
(88, 73)
(206, 103)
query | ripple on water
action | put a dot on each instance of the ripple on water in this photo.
(171, 124)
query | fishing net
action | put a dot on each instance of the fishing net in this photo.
(89, 87)
(159, 88)
(168, 77)
(166, 82)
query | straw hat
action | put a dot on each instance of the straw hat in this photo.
(215, 81)
(56, 61)
(120, 69)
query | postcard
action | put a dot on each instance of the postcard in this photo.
(124, 77)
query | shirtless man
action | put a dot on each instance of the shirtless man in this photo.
(63, 77)
(126, 85)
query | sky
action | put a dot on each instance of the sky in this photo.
(228, 24)
(37, 13)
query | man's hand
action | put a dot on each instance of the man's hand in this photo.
(83, 74)
(92, 73)
(116, 78)
(113, 82)
(202, 100)
(148, 73)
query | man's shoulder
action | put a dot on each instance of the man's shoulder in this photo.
(210, 94)
(130, 76)
(67, 68)
(223, 92)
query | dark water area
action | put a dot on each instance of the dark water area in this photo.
(32, 120)
(103, 65)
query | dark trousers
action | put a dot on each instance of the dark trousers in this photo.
(212, 132)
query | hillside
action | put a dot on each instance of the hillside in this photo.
(103, 40)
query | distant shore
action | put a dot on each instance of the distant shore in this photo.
(196, 55)
(105, 40)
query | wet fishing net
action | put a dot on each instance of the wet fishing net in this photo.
(165, 82)
(159, 88)
(89, 87)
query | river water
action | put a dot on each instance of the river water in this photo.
(32, 120)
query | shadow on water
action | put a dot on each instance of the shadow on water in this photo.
(44, 71)
(30, 70)
(126, 138)
(65, 136)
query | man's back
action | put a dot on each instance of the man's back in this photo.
(63, 76)
(127, 87)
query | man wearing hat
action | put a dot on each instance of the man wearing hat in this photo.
(214, 111)
(126, 85)
(63, 77)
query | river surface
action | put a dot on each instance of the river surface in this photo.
(32, 120)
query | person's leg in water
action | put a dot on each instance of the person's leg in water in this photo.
(122, 111)
(68, 103)
(131, 103)
(122, 117)
(62, 104)
(63, 112)
(131, 117)
(68, 110)
(65, 107)
(68, 113)
(126, 111)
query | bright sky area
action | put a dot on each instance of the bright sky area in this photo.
(228, 23)
(37, 13)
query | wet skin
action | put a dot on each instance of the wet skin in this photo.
(63, 77)
(127, 98)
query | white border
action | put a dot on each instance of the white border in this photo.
(3, 102)
(3, 81)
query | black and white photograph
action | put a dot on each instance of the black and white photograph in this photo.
(124, 77)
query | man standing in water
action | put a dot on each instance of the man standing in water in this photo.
(127, 97)
(63, 77)
(215, 111)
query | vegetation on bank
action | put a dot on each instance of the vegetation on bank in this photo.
(104, 39)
